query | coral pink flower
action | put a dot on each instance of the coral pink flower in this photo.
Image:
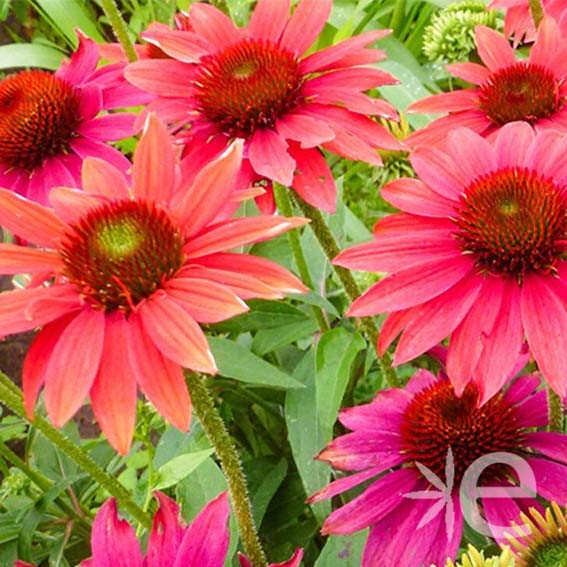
(415, 445)
(519, 24)
(479, 253)
(171, 544)
(49, 122)
(293, 562)
(256, 83)
(133, 271)
(533, 90)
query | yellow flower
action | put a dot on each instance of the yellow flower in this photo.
(475, 558)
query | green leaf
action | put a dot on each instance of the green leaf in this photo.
(334, 362)
(236, 361)
(179, 467)
(343, 551)
(16, 55)
(267, 489)
(68, 16)
(270, 339)
(305, 434)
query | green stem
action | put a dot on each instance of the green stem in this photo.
(45, 484)
(331, 248)
(217, 433)
(120, 29)
(555, 412)
(11, 396)
(536, 9)
(281, 195)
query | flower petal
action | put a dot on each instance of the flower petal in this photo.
(268, 20)
(72, 204)
(16, 259)
(166, 534)
(268, 155)
(493, 48)
(101, 178)
(209, 22)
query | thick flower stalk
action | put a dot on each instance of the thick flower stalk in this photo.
(417, 445)
(258, 84)
(50, 122)
(478, 254)
(509, 89)
(123, 275)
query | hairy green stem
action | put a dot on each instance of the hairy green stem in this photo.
(536, 10)
(11, 396)
(281, 195)
(331, 248)
(120, 29)
(216, 431)
(555, 412)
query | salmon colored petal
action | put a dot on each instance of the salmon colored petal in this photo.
(25, 309)
(268, 154)
(204, 300)
(544, 316)
(493, 48)
(268, 20)
(305, 129)
(29, 220)
(167, 78)
(113, 541)
(266, 271)
(72, 204)
(549, 49)
(206, 540)
(166, 534)
(160, 379)
(306, 23)
(101, 178)
(209, 191)
(113, 393)
(153, 172)
(413, 196)
(183, 46)
(73, 365)
(237, 232)
(470, 72)
(210, 23)
(413, 286)
(473, 154)
(176, 334)
(446, 102)
(521, 136)
(35, 363)
(313, 180)
(16, 259)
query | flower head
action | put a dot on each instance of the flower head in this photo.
(475, 558)
(479, 253)
(519, 24)
(49, 122)
(294, 561)
(532, 90)
(171, 544)
(420, 445)
(130, 273)
(256, 83)
(545, 544)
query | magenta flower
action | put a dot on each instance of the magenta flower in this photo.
(478, 253)
(294, 561)
(131, 273)
(49, 123)
(256, 83)
(519, 24)
(416, 446)
(203, 543)
(533, 90)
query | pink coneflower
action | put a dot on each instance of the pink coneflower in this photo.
(294, 561)
(203, 542)
(256, 83)
(49, 122)
(418, 445)
(519, 24)
(479, 252)
(533, 90)
(133, 271)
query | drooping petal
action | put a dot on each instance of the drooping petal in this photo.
(305, 129)
(113, 393)
(113, 541)
(160, 379)
(153, 172)
(268, 154)
(29, 220)
(206, 540)
(73, 365)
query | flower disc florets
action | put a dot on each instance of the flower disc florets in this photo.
(39, 113)
(121, 253)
